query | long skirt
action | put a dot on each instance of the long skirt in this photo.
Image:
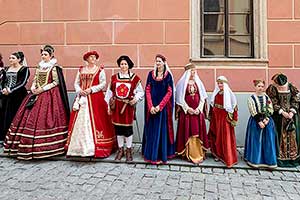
(9, 108)
(260, 145)
(40, 131)
(91, 132)
(221, 137)
(157, 147)
(192, 141)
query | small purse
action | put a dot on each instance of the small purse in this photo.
(112, 103)
(31, 101)
(290, 126)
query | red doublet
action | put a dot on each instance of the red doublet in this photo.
(122, 89)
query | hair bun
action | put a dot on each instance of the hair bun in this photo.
(21, 54)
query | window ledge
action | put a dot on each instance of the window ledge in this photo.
(230, 62)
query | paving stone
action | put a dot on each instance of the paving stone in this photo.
(65, 179)
(196, 169)
(167, 196)
(265, 192)
(289, 174)
(206, 170)
(225, 187)
(164, 167)
(140, 166)
(174, 168)
(288, 178)
(185, 169)
(151, 166)
(253, 172)
(281, 197)
(211, 188)
(218, 170)
(183, 197)
(196, 197)
(211, 196)
(288, 188)
(293, 196)
(242, 171)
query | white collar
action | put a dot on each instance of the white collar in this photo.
(45, 65)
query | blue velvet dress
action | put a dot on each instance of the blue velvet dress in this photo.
(158, 139)
(260, 144)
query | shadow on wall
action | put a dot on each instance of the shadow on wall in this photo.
(240, 130)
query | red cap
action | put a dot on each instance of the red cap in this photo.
(88, 54)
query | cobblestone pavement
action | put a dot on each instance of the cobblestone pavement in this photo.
(100, 180)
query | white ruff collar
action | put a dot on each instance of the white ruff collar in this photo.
(45, 65)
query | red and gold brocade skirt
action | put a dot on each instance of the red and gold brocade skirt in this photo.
(41, 131)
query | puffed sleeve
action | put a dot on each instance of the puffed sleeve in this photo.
(77, 83)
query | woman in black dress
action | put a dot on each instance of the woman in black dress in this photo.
(13, 90)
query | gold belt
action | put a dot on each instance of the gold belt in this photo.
(218, 106)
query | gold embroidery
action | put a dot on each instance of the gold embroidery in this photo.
(218, 106)
(99, 135)
(42, 78)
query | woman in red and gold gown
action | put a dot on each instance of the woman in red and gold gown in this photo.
(191, 96)
(40, 127)
(90, 132)
(124, 92)
(223, 119)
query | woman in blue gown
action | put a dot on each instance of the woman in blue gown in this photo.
(260, 146)
(158, 139)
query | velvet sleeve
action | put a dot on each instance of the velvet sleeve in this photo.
(166, 98)
(148, 97)
(169, 93)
